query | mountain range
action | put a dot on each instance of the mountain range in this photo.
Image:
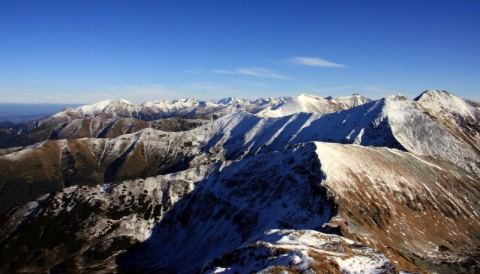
(112, 118)
(268, 185)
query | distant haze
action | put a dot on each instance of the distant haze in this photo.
(17, 113)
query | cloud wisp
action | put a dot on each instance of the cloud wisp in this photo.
(314, 62)
(256, 72)
(196, 71)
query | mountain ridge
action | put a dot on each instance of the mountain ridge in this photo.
(116, 117)
(394, 122)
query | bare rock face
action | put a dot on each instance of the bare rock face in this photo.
(178, 221)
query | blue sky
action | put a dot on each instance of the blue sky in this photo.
(86, 51)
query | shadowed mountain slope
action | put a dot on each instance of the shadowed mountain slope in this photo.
(204, 213)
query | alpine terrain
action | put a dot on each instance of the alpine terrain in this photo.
(274, 185)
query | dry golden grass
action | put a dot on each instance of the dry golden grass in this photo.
(87, 170)
(41, 164)
(134, 163)
(323, 264)
(282, 269)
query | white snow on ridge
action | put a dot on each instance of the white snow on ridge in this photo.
(399, 184)
(268, 107)
(314, 104)
(347, 102)
(440, 100)
(371, 262)
(393, 122)
(95, 108)
(301, 251)
(168, 108)
(302, 103)
(172, 105)
(421, 134)
(92, 110)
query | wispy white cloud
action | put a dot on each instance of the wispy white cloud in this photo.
(216, 90)
(196, 71)
(314, 62)
(256, 72)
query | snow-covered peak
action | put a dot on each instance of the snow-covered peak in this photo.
(97, 108)
(351, 101)
(314, 104)
(302, 103)
(306, 95)
(93, 108)
(188, 101)
(309, 98)
(271, 101)
(121, 105)
(230, 100)
(431, 93)
(397, 97)
(124, 101)
(441, 100)
(167, 108)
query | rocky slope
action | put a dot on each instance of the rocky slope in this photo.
(420, 212)
(97, 127)
(212, 208)
(295, 251)
(397, 175)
